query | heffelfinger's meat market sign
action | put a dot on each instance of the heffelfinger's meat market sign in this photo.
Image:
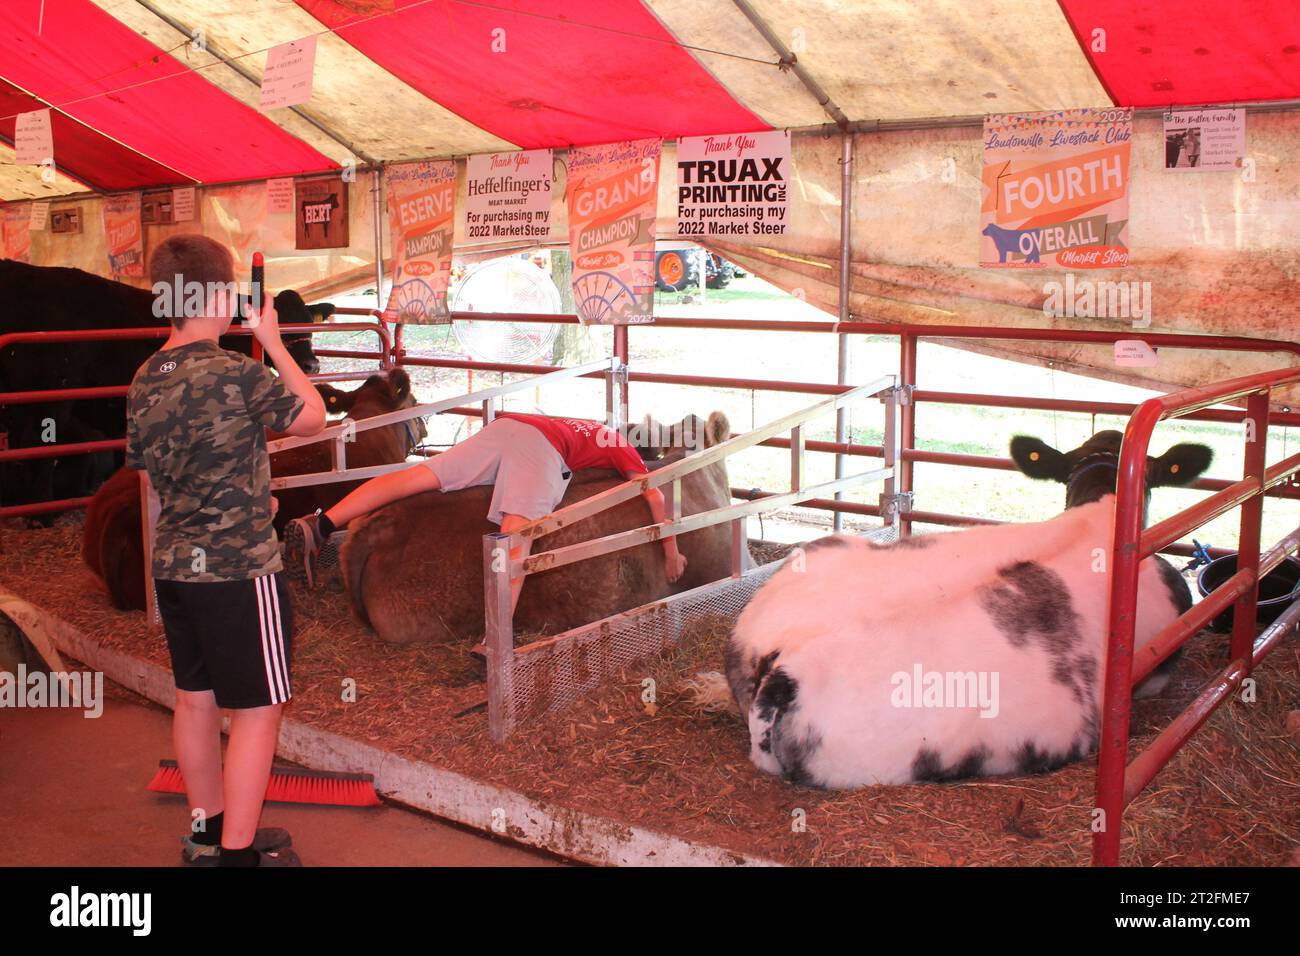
(734, 186)
(508, 196)
(1056, 189)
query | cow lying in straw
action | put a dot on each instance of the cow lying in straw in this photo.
(955, 655)
(414, 568)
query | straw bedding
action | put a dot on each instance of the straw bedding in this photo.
(1231, 797)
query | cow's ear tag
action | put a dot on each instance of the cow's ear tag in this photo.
(1033, 456)
(1173, 469)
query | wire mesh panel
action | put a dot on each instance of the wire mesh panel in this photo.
(553, 673)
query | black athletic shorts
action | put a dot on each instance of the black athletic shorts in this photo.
(233, 638)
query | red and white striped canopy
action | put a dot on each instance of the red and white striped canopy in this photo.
(165, 92)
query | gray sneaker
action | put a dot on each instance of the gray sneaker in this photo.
(302, 543)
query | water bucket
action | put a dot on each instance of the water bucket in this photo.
(1277, 590)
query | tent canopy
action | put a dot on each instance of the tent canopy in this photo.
(140, 102)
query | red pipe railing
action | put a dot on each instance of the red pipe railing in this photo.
(56, 450)
(1119, 781)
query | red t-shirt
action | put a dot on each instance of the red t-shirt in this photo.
(585, 444)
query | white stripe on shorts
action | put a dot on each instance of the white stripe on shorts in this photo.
(285, 690)
(269, 621)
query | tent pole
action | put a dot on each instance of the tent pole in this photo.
(379, 238)
(791, 62)
(846, 259)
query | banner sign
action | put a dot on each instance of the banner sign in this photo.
(1056, 189)
(1205, 139)
(508, 196)
(279, 196)
(286, 78)
(17, 227)
(734, 187)
(421, 220)
(612, 191)
(321, 213)
(33, 138)
(183, 200)
(124, 234)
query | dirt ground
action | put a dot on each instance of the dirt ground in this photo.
(1231, 797)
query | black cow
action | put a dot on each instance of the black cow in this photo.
(38, 299)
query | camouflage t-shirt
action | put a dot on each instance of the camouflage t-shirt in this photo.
(195, 421)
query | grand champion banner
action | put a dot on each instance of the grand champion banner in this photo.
(421, 210)
(17, 227)
(734, 186)
(124, 234)
(1056, 189)
(508, 196)
(612, 191)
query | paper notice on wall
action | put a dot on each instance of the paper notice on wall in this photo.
(40, 216)
(421, 219)
(33, 138)
(1056, 189)
(612, 191)
(286, 80)
(733, 187)
(124, 235)
(508, 196)
(279, 195)
(16, 225)
(1134, 353)
(1205, 139)
(183, 204)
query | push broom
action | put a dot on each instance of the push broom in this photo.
(291, 785)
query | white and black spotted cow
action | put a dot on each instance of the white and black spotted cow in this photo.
(967, 654)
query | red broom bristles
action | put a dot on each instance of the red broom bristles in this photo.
(291, 785)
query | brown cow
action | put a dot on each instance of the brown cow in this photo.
(377, 446)
(112, 542)
(414, 568)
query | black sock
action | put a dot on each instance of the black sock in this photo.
(243, 857)
(326, 526)
(210, 835)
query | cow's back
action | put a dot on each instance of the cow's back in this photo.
(414, 569)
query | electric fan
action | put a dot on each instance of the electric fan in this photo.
(506, 285)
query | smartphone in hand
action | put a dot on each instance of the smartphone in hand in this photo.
(248, 307)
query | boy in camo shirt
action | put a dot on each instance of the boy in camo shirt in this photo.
(196, 422)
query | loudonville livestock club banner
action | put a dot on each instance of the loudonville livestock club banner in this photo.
(612, 191)
(124, 235)
(17, 226)
(734, 187)
(421, 207)
(1056, 189)
(508, 196)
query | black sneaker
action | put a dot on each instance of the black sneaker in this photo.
(302, 543)
(266, 839)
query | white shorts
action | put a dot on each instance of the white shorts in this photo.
(527, 474)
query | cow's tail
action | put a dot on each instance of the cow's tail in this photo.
(710, 691)
(354, 558)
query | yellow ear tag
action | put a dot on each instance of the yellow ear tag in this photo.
(1173, 469)
(1033, 456)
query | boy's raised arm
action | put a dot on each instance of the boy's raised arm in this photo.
(311, 420)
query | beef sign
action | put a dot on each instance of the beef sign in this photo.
(955, 655)
(111, 543)
(414, 568)
(39, 299)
